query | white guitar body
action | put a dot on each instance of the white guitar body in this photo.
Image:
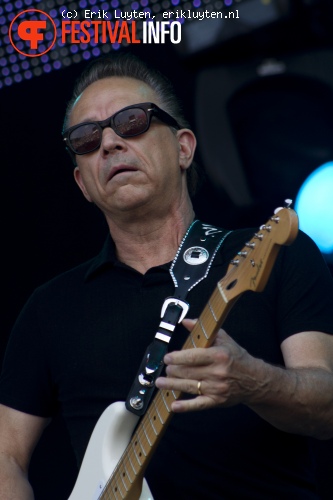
(108, 441)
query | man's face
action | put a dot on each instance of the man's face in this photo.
(144, 173)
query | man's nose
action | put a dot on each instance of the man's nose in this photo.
(111, 141)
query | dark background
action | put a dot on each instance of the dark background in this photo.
(265, 135)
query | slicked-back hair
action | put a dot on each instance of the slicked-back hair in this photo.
(127, 65)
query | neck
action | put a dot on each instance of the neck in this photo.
(143, 244)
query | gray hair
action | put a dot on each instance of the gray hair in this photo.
(129, 66)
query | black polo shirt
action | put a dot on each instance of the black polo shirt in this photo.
(78, 342)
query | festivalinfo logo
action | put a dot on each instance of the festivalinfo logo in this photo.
(33, 32)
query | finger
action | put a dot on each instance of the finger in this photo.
(183, 385)
(188, 372)
(221, 338)
(193, 357)
(195, 404)
(189, 323)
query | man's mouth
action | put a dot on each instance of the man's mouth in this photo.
(121, 169)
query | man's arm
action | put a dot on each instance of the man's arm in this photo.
(19, 434)
(297, 399)
(302, 402)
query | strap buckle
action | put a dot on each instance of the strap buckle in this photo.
(177, 302)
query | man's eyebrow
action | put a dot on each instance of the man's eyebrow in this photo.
(88, 120)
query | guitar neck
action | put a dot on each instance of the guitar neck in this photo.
(127, 476)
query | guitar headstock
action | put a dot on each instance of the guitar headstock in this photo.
(251, 267)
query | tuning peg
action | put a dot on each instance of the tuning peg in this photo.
(287, 204)
(234, 262)
(258, 236)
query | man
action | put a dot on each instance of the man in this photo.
(265, 385)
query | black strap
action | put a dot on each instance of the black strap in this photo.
(191, 265)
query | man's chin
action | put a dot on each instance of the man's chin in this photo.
(129, 199)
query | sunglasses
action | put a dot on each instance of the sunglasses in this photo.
(127, 122)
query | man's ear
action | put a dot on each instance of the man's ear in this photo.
(79, 181)
(187, 145)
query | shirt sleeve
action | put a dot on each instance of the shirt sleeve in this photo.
(305, 298)
(25, 382)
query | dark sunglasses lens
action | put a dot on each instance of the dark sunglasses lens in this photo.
(131, 122)
(85, 138)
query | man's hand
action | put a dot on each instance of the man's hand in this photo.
(19, 434)
(297, 398)
(226, 373)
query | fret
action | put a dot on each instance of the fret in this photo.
(131, 464)
(158, 413)
(203, 328)
(192, 340)
(105, 492)
(143, 442)
(151, 422)
(220, 307)
(212, 311)
(141, 446)
(123, 481)
(117, 490)
(164, 400)
(127, 474)
(121, 494)
(135, 453)
(145, 433)
(222, 293)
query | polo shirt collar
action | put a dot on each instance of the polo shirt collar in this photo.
(106, 258)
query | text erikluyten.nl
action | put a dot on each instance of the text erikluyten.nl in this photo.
(138, 15)
(200, 15)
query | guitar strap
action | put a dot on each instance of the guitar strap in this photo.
(191, 265)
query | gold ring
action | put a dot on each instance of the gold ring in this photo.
(199, 388)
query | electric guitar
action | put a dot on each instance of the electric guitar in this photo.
(119, 449)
